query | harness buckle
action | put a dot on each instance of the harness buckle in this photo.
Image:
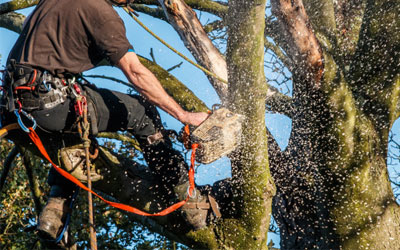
(21, 123)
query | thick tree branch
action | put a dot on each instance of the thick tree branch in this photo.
(27, 160)
(154, 12)
(217, 8)
(16, 5)
(189, 28)
(322, 16)
(250, 167)
(349, 15)
(278, 102)
(184, 96)
(304, 48)
(372, 65)
(7, 165)
(12, 21)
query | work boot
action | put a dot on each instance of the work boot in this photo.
(200, 209)
(52, 218)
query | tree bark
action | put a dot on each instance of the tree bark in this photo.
(12, 21)
(303, 47)
(338, 194)
(16, 5)
(250, 170)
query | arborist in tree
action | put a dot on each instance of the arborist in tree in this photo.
(60, 40)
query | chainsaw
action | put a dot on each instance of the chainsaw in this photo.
(217, 136)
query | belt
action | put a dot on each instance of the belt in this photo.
(31, 101)
(34, 88)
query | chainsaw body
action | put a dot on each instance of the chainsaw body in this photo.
(217, 136)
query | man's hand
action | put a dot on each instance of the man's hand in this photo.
(194, 119)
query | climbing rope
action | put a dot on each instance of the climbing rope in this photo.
(83, 129)
(130, 13)
(4, 130)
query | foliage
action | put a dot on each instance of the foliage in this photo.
(17, 206)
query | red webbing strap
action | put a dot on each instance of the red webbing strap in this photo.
(36, 140)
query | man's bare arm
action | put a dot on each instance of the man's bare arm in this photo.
(147, 84)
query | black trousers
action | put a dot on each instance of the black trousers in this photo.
(117, 111)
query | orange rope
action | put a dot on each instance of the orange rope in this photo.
(36, 140)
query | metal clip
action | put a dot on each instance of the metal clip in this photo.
(215, 107)
(20, 122)
(46, 86)
(75, 90)
(193, 193)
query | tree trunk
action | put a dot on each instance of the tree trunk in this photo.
(338, 194)
(250, 170)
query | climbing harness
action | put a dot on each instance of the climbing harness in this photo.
(131, 13)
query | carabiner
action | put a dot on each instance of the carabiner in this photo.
(215, 107)
(21, 123)
(194, 192)
(46, 86)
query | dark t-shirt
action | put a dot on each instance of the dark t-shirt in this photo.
(71, 36)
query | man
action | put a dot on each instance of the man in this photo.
(63, 38)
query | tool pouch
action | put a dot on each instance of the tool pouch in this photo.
(217, 136)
